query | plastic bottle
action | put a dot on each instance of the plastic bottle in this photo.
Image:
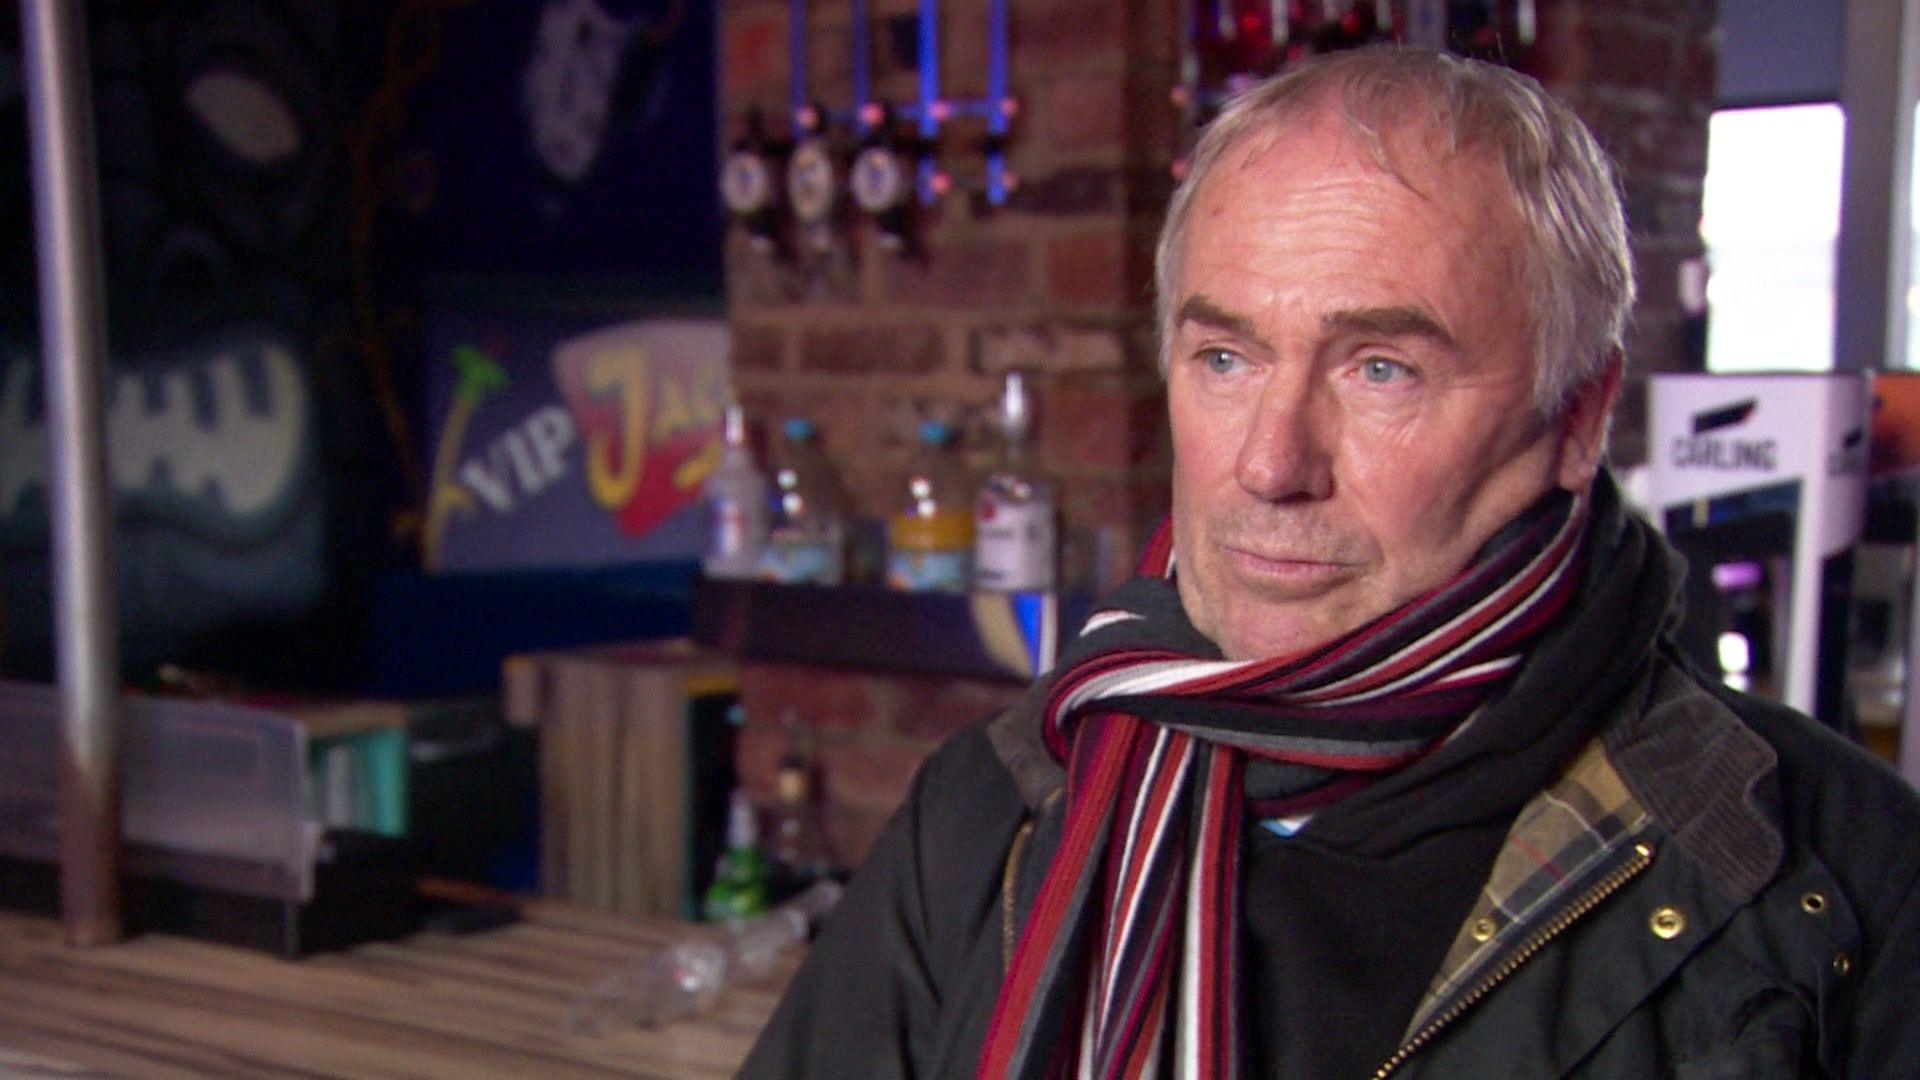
(1016, 539)
(930, 535)
(736, 506)
(688, 976)
(807, 541)
(796, 848)
(739, 889)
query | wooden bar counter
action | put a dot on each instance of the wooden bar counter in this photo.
(487, 1004)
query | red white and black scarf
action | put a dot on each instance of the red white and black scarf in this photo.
(1129, 961)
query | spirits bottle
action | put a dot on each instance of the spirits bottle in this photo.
(1016, 539)
(930, 535)
(736, 506)
(807, 541)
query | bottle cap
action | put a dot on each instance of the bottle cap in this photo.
(735, 429)
(935, 433)
(799, 429)
(1016, 409)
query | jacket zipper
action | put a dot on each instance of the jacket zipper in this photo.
(1642, 858)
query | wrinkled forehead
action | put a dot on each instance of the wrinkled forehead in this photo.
(1411, 137)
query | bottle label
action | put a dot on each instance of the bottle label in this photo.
(930, 571)
(734, 539)
(1015, 545)
(801, 562)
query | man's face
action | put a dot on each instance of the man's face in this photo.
(1350, 380)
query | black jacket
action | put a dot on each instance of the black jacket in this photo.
(1713, 887)
(1756, 915)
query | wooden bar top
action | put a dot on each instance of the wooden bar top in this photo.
(488, 1004)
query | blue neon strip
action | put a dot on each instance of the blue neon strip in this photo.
(929, 90)
(796, 63)
(997, 99)
(997, 66)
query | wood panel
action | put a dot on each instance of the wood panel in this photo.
(434, 1005)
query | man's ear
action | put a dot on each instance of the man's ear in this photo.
(1584, 423)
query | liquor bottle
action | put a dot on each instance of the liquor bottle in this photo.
(1016, 539)
(739, 889)
(930, 534)
(736, 506)
(807, 541)
(796, 849)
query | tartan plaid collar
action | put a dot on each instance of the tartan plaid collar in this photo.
(1673, 761)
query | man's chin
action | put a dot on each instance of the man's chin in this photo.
(1265, 635)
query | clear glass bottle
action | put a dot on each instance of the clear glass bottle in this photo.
(1016, 546)
(807, 539)
(930, 534)
(688, 976)
(736, 506)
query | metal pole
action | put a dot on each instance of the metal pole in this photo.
(1870, 261)
(66, 210)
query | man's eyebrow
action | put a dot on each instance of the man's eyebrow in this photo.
(1201, 310)
(1388, 322)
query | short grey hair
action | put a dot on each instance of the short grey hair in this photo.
(1564, 186)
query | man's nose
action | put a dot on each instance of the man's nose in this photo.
(1285, 453)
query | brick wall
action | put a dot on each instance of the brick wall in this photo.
(1643, 75)
(1058, 284)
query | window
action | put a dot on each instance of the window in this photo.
(1770, 220)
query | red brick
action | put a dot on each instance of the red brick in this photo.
(913, 348)
(1095, 269)
(839, 410)
(1078, 190)
(870, 772)
(1084, 112)
(759, 347)
(1632, 54)
(823, 699)
(1102, 423)
(753, 53)
(934, 708)
(851, 832)
(829, 58)
(756, 759)
(1133, 503)
(977, 273)
(1059, 347)
(1048, 35)
(756, 278)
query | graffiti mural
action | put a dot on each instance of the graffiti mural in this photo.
(589, 124)
(222, 198)
(564, 444)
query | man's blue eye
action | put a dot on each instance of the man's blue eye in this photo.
(1220, 361)
(1377, 370)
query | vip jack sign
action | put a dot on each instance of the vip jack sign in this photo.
(563, 444)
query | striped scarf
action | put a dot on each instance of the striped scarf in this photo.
(1129, 962)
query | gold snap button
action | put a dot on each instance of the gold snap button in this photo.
(1813, 904)
(1842, 963)
(1483, 929)
(1667, 923)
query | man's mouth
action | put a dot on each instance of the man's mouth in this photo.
(1287, 572)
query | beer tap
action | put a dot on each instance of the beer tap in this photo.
(881, 179)
(748, 188)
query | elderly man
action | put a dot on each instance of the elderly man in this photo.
(1384, 765)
